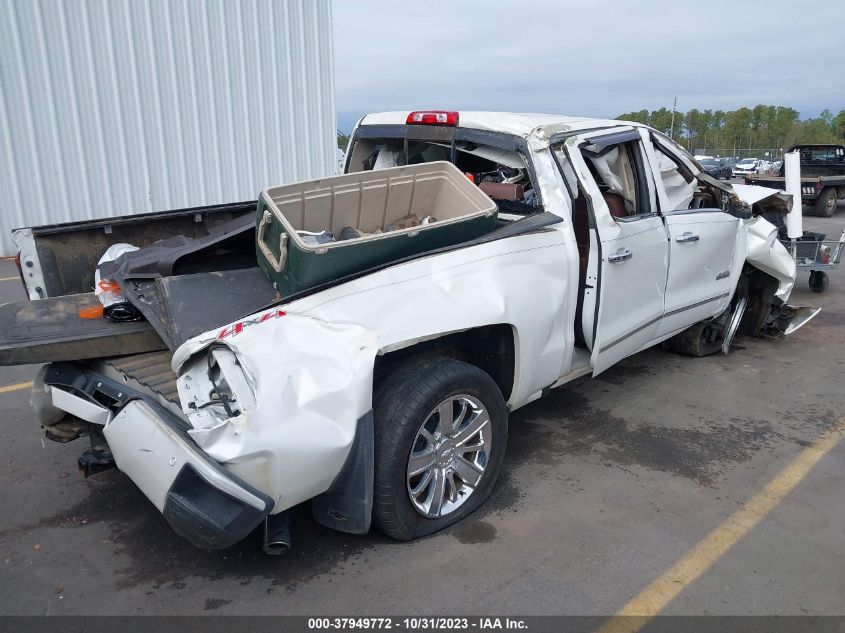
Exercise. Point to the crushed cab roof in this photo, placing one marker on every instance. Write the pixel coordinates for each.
(518, 124)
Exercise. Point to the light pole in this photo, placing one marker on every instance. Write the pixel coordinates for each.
(672, 126)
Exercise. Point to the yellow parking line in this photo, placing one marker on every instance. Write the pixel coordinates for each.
(16, 387)
(17, 277)
(654, 598)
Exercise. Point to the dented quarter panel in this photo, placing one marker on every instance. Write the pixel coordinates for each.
(311, 381)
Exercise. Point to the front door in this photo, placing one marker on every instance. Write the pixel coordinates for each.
(703, 244)
(628, 252)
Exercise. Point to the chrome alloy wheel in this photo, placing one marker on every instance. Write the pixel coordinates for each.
(449, 456)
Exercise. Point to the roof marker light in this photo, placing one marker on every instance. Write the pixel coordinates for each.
(432, 117)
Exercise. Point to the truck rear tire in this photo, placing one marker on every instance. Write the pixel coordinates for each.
(441, 427)
(825, 205)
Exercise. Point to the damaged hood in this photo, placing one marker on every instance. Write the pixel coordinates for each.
(766, 200)
(754, 197)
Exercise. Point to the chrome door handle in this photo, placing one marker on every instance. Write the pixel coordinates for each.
(687, 237)
(622, 255)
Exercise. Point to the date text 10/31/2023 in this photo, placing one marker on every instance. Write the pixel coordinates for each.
(419, 623)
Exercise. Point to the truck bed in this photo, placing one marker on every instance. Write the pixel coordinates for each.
(148, 372)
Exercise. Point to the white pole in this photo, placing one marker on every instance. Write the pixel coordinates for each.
(792, 169)
(672, 127)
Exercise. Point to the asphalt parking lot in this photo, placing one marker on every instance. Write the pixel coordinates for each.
(607, 484)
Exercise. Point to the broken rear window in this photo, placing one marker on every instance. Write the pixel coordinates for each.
(502, 174)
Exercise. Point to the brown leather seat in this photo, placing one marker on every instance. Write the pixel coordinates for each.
(580, 225)
(616, 204)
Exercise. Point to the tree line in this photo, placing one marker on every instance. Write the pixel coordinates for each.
(736, 131)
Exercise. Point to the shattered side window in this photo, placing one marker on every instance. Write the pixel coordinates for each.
(569, 177)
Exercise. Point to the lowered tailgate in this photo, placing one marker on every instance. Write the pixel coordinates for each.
(51, 330)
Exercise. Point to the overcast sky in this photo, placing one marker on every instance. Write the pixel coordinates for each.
(587, 57)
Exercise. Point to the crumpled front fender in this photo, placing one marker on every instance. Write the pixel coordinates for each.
(311, 383)
(765, 252)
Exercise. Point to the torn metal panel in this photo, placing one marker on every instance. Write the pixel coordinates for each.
(803, 315)
(763, 199)
(765, 252)
(295, 395)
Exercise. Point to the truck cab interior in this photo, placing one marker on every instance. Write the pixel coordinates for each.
(502, 173)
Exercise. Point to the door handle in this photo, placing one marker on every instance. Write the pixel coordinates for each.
(687, 237)
(622, 255)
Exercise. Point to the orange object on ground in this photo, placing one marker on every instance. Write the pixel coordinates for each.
(91, 313)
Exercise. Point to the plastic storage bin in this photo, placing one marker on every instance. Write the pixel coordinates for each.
(369, 201)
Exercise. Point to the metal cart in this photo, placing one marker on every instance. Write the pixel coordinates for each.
(814, 253)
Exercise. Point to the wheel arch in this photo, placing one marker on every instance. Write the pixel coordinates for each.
(492, 348)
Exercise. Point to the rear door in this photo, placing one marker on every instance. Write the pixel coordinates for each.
(703, 243)
(628, 251)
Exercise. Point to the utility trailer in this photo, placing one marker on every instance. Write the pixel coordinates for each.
(380, 393)
(822, 177)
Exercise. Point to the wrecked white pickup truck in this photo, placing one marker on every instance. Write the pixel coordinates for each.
(382, 394)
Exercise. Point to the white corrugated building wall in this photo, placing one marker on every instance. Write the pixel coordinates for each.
(111, 107)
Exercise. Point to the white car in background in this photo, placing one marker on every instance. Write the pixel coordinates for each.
(749, 166)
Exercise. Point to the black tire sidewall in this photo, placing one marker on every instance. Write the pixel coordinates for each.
(399, 411)
(819, 281)
(821, 206)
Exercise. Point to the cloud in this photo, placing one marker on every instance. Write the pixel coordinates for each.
(590, 58)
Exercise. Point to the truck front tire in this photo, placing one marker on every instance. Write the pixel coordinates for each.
(698, 340)
(440, 435)
(825, 205)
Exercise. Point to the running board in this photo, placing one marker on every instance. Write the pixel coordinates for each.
(733, 324)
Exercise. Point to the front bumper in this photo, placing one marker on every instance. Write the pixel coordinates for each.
(201, 500)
